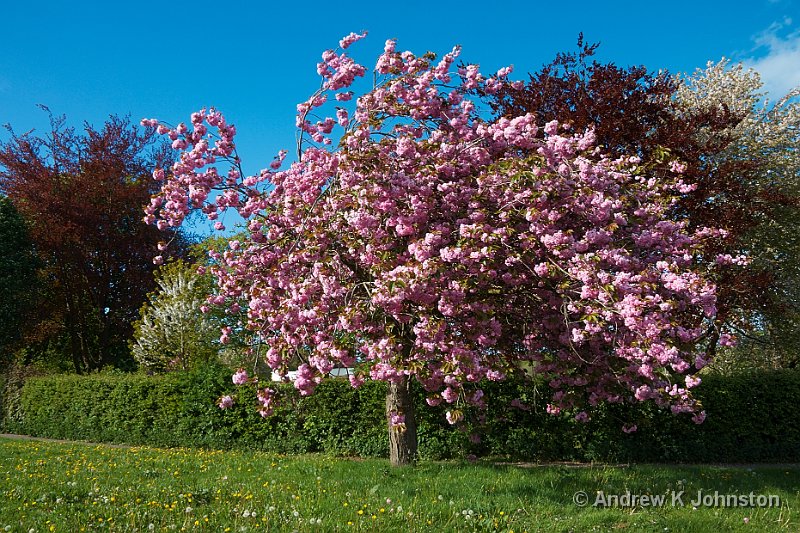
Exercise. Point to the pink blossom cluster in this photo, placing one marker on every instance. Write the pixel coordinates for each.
(226, 402)
(267, 402)
(240, 377)
(435, 243)
(397, 420)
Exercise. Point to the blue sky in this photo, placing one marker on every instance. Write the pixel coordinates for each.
(256, 60)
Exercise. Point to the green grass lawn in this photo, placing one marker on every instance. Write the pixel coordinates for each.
(46, 486)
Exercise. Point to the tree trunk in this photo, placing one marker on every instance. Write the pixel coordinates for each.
(402, 437)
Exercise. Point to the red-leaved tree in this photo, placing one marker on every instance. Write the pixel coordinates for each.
(432, 244)
(80, 193)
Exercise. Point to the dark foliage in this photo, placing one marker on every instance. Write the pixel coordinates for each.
(18, 266)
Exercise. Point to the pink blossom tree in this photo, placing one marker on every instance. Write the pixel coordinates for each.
(414, 239)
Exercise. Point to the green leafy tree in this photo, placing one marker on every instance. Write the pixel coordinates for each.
(18, 266)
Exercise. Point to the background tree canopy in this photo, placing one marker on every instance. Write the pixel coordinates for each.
(81, 194)
(740, 150)
(18, 265)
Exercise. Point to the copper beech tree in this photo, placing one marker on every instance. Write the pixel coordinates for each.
(415, 239)
(80, 194)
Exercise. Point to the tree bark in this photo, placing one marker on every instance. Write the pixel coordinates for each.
(403, 437)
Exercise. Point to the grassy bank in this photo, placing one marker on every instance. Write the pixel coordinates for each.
(47, 486)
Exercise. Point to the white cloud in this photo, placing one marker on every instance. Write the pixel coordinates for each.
(777, 58)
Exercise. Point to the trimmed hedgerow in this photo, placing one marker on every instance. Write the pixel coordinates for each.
(180, 409)
(751, 418)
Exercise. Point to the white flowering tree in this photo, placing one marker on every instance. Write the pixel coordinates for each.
(763, 145)
(172, 331)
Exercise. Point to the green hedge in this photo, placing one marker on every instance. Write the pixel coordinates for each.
(751, 418)
(179, 409)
